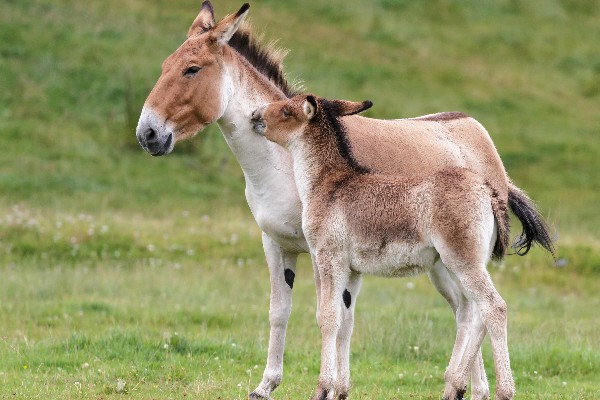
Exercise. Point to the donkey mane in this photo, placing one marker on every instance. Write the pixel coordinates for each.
(266, 59)
(331, 115)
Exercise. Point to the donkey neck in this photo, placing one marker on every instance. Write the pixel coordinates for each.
(247, 89)
(270, 188)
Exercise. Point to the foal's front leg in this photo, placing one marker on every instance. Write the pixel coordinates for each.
(282, 266)
(333, 279)
(349, 296)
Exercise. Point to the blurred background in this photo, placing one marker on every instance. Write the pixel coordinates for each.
(128, 274)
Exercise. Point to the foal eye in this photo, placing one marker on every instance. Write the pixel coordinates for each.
(286, 113)
(192, 71)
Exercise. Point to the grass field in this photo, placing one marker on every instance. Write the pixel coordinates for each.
(127, 276)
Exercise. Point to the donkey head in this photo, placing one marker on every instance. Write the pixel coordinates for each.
(284, 121)
(191, 91)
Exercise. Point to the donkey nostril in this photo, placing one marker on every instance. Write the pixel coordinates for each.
(255, 115)
(150, 134)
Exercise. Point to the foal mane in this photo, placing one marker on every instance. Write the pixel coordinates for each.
(331, 114)
(266, 59)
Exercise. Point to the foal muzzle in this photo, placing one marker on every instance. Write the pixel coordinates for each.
(257, 121)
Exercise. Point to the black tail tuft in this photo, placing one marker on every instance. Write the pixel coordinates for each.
(535, 228)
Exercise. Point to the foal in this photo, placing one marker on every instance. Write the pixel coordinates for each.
(356, 222)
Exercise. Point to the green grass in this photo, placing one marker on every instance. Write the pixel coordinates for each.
(127, 276)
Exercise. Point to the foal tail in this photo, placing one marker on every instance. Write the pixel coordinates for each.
(535, 228)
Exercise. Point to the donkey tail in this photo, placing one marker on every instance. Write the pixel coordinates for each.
(535, 228)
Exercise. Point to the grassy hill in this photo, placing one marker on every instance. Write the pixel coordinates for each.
(78, 194)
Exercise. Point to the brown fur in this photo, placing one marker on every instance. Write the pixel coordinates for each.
(415, 147)
(388, 206)
(446, 216)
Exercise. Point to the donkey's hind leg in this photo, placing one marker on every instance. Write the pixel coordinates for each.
(491, 317)
(349, 296)
(463, 310)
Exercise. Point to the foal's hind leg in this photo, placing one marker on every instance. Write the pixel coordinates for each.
(463, 309)
(478, 286)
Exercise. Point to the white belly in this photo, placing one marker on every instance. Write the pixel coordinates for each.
(395, 260)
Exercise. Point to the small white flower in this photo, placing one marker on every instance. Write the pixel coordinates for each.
(150, 247)
(410, 285)
(120, 387)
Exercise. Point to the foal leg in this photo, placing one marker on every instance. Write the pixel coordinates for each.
(349, 296)
(282, 266)
(334, 277)
(463, 309)
(491, 317)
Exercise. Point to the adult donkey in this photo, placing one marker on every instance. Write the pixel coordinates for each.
(221, 74)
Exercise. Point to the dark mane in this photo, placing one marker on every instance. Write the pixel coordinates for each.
(331, 114)
(265, 59)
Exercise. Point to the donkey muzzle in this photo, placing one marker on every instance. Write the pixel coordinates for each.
(154, 136)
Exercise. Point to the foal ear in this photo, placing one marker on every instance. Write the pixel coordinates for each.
(310, 107)
(225, 29)
(205, 19)
(345, 107)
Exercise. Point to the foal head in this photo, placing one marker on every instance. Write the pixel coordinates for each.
(191, 76)
(303, 116)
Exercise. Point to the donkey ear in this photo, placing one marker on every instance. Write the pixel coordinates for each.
(345, 107)
(205, 19)
(225, 29)
(310, 106)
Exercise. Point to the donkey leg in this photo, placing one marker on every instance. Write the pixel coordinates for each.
(349, 296)
(282, 266)
(450, 290)
(479, 287)
(333, 280)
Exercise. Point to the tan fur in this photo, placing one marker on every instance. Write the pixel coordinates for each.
(357, 220)
(231, 85)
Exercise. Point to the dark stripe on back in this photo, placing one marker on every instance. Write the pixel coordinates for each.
(443, 116)
(331, 114)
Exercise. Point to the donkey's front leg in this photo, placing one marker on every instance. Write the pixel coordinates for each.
(282, 266)
(334, 278)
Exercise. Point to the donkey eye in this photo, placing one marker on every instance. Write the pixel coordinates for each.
(286, 112)
(191, 71)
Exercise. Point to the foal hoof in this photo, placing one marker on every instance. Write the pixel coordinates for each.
(322, 394)
(459, 395)
(256, 396)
